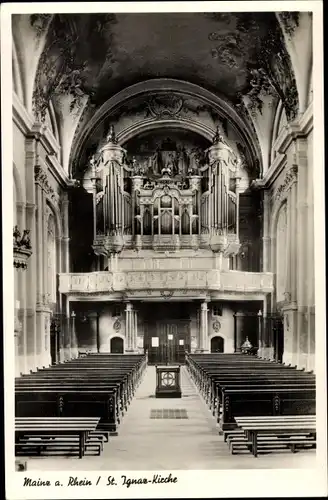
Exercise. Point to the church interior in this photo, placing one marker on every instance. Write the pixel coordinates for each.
(163, 203)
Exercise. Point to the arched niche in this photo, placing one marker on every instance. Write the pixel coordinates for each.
(281, 253)
(217, 344)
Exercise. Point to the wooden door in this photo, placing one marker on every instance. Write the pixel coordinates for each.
(116, 345)
(166, 340)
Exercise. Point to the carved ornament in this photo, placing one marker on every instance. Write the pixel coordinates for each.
(41, 178)
(290, 178)
(117, 325)
(216, 326)
(21, 247)
(165, 106)
(167, 294)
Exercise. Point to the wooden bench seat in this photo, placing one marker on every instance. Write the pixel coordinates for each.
(63, 427)
(293, 431)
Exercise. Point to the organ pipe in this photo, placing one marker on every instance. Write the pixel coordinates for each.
(122, 211)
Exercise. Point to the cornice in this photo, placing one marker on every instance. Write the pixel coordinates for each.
(27, 125)
(275, 169)
(57, 171)
(298, 128)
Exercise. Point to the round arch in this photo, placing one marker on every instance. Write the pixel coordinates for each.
(273, 238)
(57, 217)
(145, 126)
(241, 126)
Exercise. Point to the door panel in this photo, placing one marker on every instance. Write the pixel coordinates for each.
(170, 348)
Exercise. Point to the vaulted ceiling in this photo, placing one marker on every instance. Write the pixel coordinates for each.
(83, 60)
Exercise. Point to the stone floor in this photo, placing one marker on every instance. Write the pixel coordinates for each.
(146, 443)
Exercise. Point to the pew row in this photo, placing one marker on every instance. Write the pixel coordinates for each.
(90, 386)
(239, 385)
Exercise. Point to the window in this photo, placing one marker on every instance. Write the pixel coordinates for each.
(116, 311)
(217, 310)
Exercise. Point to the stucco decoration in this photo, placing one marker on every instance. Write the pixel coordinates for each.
(290, 21)
(216, 326)
(117, 325)
(64, 65)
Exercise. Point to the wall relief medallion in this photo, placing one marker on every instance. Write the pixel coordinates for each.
(216, 326)
(167, 294)
(117, 325)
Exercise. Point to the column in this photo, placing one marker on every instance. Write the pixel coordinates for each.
(266, 328)
(203, 337)
(45, 358)
(302, 270)
(311, 270)
(17, 335)
(40, 293)
(74, 344)
(295, 239)
(238, 336)
(260, 331)
(129, 327)
(29, 333)
(96, 344)
(266, 231)
(66, 334)
(65, 263)
(135, 330)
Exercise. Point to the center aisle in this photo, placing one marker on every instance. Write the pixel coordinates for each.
(166, 443)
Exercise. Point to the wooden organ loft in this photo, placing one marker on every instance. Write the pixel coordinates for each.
(166, 202)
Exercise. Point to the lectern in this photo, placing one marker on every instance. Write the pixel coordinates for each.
(168, 382)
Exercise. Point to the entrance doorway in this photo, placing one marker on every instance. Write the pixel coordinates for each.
(116, 345)
(167, 333)
(217, 344)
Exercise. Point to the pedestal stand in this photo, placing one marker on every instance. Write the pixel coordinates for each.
(168, 382)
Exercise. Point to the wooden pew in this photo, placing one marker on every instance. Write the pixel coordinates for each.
(293, 431)
(251, 387)
(58, 427)
(89, 386)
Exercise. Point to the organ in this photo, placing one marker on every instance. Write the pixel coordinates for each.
(168, 201)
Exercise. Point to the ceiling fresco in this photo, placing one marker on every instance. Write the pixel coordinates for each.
(240, 57)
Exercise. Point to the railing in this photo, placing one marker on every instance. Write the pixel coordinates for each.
(107, 281)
